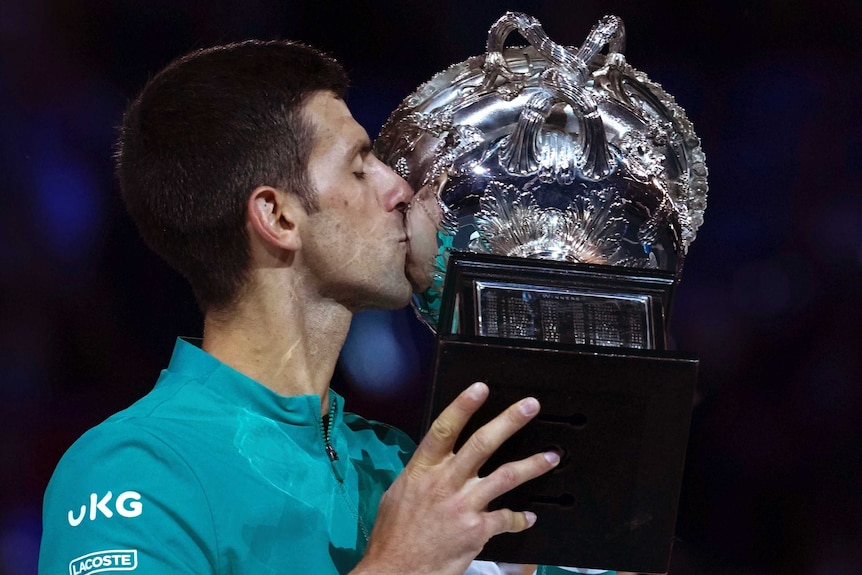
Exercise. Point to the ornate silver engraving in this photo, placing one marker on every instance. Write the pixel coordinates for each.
(552, 152)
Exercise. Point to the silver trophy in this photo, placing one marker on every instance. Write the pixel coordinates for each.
(558, 191)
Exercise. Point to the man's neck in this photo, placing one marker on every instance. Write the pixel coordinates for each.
(289, 344)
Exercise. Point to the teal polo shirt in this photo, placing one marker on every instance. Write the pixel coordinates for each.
(211, 472)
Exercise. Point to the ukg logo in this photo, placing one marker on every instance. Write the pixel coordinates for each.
(127, 504)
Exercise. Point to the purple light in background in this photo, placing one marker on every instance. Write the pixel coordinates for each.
(379, 356)
(66, 210)
(19, 541)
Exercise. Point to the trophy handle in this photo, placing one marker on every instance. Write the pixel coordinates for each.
(608, 31)
(563, 81)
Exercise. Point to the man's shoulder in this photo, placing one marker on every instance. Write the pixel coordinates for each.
(160, 433)
(115, 448)
(143, 421)
(115, 493)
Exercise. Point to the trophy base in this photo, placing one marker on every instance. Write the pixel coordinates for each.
(620, 420)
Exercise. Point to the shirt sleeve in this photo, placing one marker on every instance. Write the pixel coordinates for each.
(122, 500)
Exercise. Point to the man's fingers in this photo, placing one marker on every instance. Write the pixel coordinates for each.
(440, 440)
(488, 438)
(512, 474)
(508, 521)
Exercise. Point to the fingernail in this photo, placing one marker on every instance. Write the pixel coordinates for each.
(529, 406)
(530, 517)
(477, 390)
(552, 457)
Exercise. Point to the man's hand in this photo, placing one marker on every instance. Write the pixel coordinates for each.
(434, 518)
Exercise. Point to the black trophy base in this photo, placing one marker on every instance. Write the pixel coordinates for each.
(619, 417)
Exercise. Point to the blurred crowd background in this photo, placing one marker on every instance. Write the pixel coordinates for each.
(769, 301)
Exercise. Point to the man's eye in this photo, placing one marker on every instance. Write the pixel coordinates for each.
(359, 175)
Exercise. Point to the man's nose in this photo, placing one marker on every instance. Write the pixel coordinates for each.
(398, 192)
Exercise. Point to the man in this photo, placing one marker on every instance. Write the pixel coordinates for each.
(243, 168)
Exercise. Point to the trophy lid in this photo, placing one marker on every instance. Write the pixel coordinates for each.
(550, 152)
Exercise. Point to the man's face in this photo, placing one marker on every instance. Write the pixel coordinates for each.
(355, 246)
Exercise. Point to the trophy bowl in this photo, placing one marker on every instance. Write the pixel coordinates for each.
(548, 152)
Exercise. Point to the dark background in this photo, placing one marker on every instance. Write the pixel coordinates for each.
(769, 299)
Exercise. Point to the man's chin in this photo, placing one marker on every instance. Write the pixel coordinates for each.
(388, 303)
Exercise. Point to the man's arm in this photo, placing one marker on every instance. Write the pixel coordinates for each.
(434, 518)
(120, 499)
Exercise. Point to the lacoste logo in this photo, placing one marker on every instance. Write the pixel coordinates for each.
(127, 504)
(101, 561)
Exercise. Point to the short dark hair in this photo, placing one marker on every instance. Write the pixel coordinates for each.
(206, 131)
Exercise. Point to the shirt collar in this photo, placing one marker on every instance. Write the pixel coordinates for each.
(192, 362)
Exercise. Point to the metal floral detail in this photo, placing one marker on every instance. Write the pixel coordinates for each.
(641, 157)
(589, 230)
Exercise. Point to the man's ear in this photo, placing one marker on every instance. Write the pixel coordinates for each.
(274, 216)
